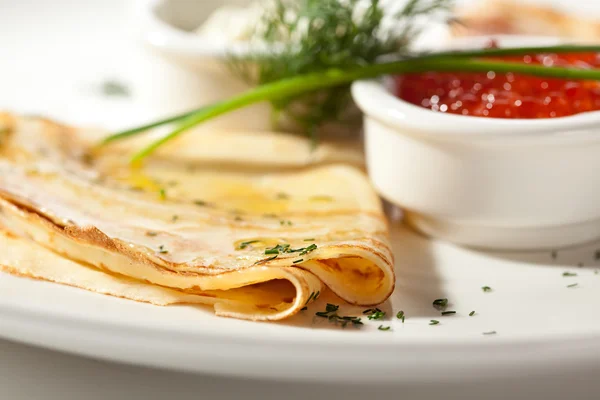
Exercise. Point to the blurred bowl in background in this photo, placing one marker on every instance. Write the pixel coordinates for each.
(167, 28)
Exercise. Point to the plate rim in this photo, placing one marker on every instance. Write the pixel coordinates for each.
(242, 354)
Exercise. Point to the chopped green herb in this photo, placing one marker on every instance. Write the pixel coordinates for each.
(285, 222)
(283, 196)
(309, 240)
(595, 272)
(486, 289)
(440, 304)
(270, 215)
(297, 261)
(331, 307)
(310, 298)
(243, 245)
(490, 333)
(317, 295)
(331, 314)
(400, 315)
(377, 315)
(151, 233)
(345, 320)
(304, 308)
(162, 250)
(280, 248)
(569, 274)
(200, 203)
(308, 249)
(303, 250)
(572, 285)
(384, 328)
(238, 218)
(174, 218)
(162, 193)
(471, 313)
(434, 322)
(448, 312)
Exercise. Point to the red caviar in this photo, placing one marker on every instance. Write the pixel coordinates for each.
(506, 95)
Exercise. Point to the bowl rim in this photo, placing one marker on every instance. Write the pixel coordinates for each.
(163, 36)
(375, 99)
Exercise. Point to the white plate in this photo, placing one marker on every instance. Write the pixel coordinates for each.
(541, 324)
(542, 327)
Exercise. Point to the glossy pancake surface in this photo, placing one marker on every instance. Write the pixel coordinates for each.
(244, 233)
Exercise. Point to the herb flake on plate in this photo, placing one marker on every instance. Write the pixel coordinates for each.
(115, 88)
(243, 245)
(440, 304)
(375, 314)
(400, 315)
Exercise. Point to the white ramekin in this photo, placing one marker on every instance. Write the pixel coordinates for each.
(485, 182)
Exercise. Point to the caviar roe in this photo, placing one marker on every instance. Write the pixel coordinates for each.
(506, 95)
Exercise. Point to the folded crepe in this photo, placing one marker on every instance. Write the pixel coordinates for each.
(230, 230)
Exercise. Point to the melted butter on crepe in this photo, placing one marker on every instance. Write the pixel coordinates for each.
(175, 231)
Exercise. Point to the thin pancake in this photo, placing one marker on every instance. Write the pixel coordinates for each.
(194, 230)
(24, 258)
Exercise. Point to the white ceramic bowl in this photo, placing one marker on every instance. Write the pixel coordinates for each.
(485, 182)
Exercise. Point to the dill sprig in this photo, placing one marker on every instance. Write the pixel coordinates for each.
(307, 36)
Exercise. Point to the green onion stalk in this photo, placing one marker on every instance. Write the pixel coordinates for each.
(465, 61)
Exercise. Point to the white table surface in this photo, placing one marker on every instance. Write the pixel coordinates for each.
(52, 55)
